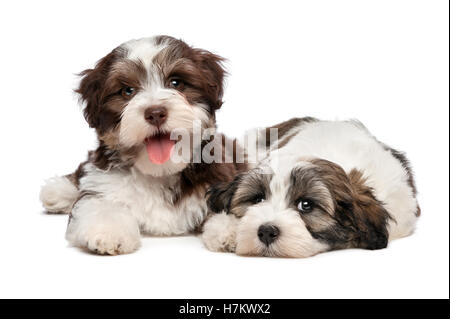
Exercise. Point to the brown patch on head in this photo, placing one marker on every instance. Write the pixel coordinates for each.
(323, 187)
(235, 197)
(200, 72)
(101, 90)
(161, 39)
(124, 73)
(92, 90)
(306, 183)
(253, 188)
(358, 219)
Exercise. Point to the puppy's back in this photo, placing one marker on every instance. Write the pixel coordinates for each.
(349, 144)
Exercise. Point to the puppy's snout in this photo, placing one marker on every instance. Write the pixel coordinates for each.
(156, 115)
(268, 234)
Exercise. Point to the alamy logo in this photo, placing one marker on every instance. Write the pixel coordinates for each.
(207, 146)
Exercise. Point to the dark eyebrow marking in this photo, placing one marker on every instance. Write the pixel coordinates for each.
(252, 185)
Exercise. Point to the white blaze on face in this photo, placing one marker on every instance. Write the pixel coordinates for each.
(143, 50)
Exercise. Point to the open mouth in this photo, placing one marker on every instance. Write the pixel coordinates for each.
(159, 147)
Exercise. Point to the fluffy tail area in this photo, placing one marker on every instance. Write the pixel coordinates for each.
(58, 195)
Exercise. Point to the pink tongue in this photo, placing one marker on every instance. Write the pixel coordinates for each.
(159, 148)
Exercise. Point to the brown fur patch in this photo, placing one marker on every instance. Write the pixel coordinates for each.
(123, 73)
(105, 104)
(78, 174)
(359, 215)
(284, 127)
(359, 220)
(92, 86)
(236, 196)
(252, 187)
(200, 71)
(366, 203)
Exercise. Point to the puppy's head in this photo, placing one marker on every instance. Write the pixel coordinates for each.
(144, 92)
(309, 208)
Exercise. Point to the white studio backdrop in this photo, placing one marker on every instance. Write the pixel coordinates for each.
(382, 62)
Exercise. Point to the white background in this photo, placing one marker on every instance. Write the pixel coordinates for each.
(383, 62)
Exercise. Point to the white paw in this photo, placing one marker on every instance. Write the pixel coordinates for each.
(105, 243)
(105, 238)
(58, 195)
(219, 233)
(103, 230)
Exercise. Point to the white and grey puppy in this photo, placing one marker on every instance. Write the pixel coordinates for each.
(325, 185)
(136, 97)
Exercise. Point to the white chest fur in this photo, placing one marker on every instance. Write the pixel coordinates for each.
(148, 199)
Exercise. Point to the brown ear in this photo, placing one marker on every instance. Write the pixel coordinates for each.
(366, 216)
(92, 86)
(361, 217)
(214, 74)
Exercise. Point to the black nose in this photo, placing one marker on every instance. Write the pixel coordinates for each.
(268, 233)
(156, 115)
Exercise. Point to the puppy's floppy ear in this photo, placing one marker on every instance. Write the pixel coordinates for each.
(214, 74)
(361, 216)
(91, 88)
(366, 216)
(219, 196)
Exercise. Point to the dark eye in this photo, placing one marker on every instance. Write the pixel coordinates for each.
(258, 199)
(176, 83)
(305, 205)
(128, 91)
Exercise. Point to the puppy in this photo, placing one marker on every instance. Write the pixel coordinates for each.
(323, 186)
(140, 98)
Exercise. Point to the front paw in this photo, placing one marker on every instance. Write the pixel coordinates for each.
(105, 243)
(109, 234)
(219, 233)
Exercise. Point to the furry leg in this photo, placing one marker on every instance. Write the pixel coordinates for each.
(103, 227)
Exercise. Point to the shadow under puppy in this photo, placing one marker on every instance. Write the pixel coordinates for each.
(137, 97)
(324, 185)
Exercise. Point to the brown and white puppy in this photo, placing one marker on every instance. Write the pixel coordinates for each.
(324, 186)
(141, 98)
